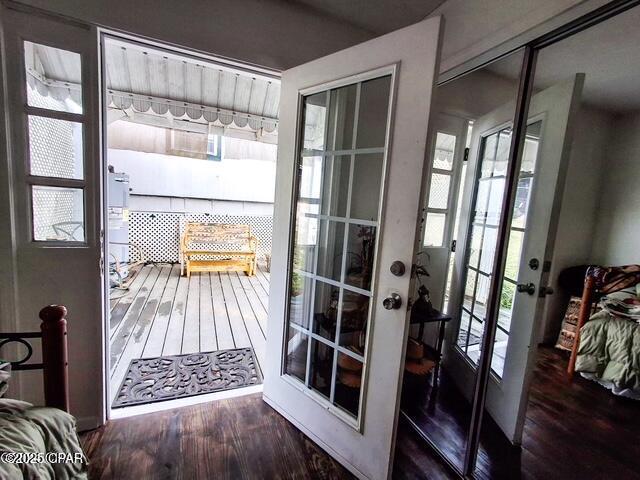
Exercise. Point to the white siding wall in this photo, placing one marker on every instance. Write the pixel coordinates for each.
(158, 175)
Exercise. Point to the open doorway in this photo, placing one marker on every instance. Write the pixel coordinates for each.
(190, 152)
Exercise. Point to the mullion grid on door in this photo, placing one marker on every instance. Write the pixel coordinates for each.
(346, 221)
(482, 237)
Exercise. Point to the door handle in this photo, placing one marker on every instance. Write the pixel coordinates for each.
(529, 288)
(392, 302)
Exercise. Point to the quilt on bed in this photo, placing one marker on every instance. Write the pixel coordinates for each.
(39, 430)
(609, 353)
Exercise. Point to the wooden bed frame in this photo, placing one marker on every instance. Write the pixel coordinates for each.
(53, 335)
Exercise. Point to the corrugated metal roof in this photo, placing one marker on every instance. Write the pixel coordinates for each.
(154, 81)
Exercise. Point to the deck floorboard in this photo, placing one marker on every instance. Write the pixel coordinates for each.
(164, 313)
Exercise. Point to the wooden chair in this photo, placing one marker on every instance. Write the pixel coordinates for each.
(217, 247)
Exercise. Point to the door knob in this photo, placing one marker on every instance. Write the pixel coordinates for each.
(392, 302)
(529, 288)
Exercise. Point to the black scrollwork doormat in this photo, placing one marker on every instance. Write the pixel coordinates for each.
(178, 376)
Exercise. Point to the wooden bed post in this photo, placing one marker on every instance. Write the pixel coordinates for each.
(54, 356)
(583, 316)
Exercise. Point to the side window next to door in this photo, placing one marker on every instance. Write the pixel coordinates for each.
(440, 184)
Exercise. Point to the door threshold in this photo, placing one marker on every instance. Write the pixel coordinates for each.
(134, 410)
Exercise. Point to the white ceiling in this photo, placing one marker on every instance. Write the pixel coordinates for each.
(378, 17)
(609, 56)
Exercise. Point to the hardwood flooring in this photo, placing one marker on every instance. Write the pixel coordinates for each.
(163, 313)
(239, 438)
(573, 430)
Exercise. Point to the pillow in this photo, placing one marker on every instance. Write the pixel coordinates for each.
(5, 374)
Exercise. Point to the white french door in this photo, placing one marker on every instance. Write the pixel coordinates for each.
(533, 226)
(351, 153)
(447, 159)
(54, 183)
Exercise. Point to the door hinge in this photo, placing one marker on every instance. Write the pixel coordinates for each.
(466, 155)
(453, 245)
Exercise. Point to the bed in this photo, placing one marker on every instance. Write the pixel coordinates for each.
(44, 439)
(607, 346)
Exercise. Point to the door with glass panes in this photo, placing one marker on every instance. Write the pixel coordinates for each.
(351, 153)
(439, 226)
(533, 224)
(53, 177)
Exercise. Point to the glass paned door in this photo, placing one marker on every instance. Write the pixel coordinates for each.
(486, 206)
(352, 144)
(54, 168)
(340, 179)
(479, 266)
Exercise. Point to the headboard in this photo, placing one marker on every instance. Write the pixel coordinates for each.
(53, 337)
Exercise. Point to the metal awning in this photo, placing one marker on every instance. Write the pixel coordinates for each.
(143, 83)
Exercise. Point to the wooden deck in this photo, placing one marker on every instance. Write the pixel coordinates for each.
(163, 313)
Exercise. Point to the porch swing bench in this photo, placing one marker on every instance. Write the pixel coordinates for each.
(217, 247)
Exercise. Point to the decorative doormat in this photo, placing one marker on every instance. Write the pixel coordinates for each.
(177, 376)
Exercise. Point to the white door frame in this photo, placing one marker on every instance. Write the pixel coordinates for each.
(181, 52)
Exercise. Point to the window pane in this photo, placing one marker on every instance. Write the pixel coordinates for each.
(331, 241)
(464, 330)
(502, 153)
(315, 110)
(361, 244)
(325, 313)
(306, 241)
(343, 109)
(54, 78)
(299, 304)
(489, 145)
(439, 190)
(321, 367)
(365, 193)
(335, 185)
(373, 113)
(296, 361)
(444, 152)
(353, 322)
(434, 229)
(58, 214)
(55, 148)
(470, 288)
(311, 179)
(348, 383)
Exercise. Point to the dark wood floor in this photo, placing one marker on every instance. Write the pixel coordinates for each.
(239, 438)
(573, 430)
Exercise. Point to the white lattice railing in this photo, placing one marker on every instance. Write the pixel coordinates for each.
(158, 234)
